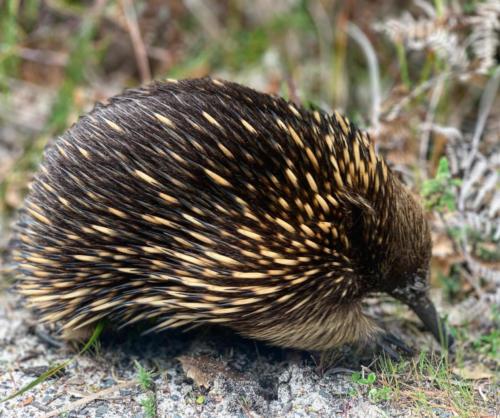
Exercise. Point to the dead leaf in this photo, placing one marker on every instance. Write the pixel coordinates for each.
(27, 401)
(204, 369)
(473, 372)
(442, 245)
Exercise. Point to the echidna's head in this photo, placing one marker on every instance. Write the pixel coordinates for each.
(407, 266)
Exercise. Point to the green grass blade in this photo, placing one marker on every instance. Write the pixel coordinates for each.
(56, 369)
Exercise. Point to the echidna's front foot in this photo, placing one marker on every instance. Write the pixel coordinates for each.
(388, 339)
(388, 344)
(384, 344)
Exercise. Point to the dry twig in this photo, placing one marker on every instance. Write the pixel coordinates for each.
(94, 396)
(140, 52)
(373, 68)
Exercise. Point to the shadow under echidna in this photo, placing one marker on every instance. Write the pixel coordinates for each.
(203, 201)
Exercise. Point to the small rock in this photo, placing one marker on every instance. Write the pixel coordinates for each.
(101, 411)
(324, 394)
(366, 410)
(108, 382)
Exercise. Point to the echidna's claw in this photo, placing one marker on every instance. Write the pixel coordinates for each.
(390, 338)
(387, 350)
(385, 344)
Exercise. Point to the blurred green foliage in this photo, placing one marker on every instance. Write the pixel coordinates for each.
(439, 192)
(81, 56)
(8, 39)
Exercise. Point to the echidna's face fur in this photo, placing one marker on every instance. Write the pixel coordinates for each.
(203, 201)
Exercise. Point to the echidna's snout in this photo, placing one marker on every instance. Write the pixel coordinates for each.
(426, 311)
(416, 297)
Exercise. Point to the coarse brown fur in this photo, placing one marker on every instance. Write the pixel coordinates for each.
(203, 201)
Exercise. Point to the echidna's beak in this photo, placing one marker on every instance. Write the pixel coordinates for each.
(426, 311)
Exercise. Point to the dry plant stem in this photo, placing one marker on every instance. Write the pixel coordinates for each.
(90, 398)
(429, 119)
(325, 36)
(160, 54)
(426, 8)
(417, 91)
(374, 71)
(98, 7)
(205, 13)
(140, 52)
(485, 105)
(292, 90)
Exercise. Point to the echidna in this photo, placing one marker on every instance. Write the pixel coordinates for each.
(203, 201)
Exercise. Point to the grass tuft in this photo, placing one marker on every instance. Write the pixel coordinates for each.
(146, 382)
